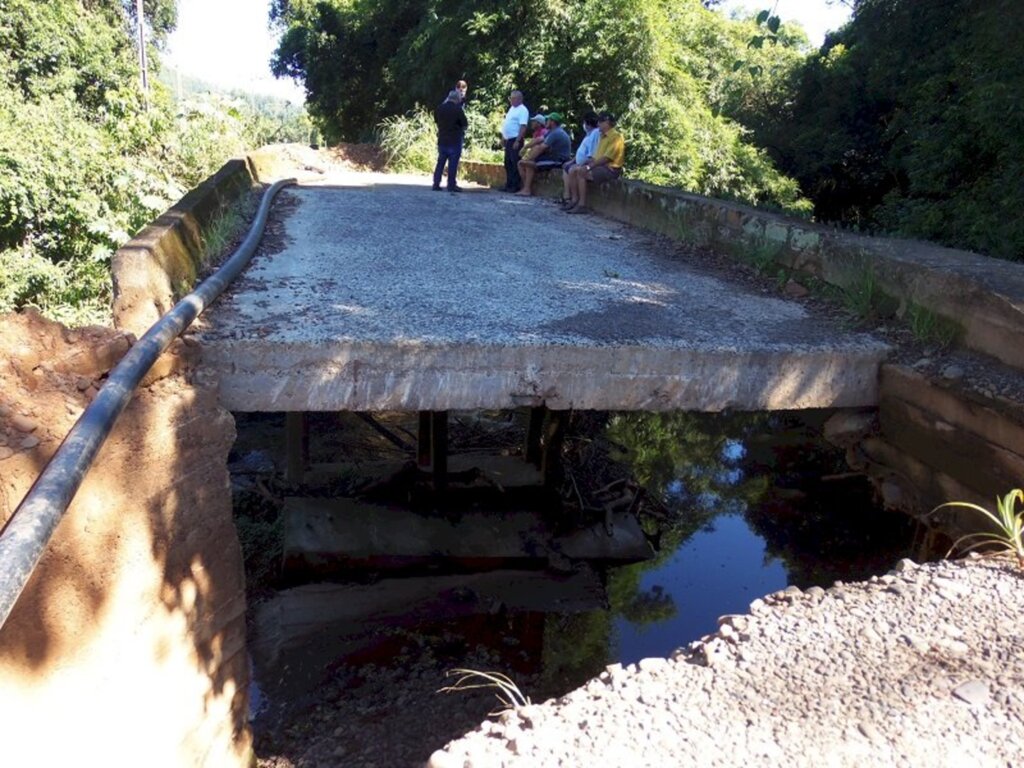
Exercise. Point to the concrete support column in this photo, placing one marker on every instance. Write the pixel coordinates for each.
(534, 432)
(439, 449)
(296, 446)
(551, 458)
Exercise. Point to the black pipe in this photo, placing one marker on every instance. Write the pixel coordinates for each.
(26, 534)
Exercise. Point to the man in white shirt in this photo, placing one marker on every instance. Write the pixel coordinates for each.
(513, 131)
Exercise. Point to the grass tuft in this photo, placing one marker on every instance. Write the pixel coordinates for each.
(931, 328)
(505, 690)
(1007, 535)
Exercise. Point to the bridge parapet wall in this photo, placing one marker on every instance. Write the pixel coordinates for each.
(127, 646)
(983, 298)
(161, 263)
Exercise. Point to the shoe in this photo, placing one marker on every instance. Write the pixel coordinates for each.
(456, 188)
(436, 189)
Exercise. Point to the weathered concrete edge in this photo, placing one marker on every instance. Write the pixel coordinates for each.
(982, 296)
(160, 264)
(357, 378)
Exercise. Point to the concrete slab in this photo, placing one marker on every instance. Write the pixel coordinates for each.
(323, 536)
(382, 295)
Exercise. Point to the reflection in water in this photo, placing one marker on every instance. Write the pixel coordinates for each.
(737, 505)
(748, 504)
(719, 570)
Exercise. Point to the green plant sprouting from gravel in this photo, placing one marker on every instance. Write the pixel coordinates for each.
(505, 690)
(762, 256)
(1007, 535)
(929, 327)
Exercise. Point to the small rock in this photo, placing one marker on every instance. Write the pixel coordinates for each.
(918, 645)
(5, 453)
(30, 442)
(734, 620)
(653, 664)
(924, 362)
(815, 592)
(24, 423)
(906, 564)
(973, 692)
(531, 715)
(871, 733)
(795, 290)
(952, 372)
(82, 383)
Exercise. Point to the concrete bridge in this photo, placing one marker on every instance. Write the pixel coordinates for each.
(376, 294)
(372, 292)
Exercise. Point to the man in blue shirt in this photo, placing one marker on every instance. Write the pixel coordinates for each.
(586, 151)
(553, 152)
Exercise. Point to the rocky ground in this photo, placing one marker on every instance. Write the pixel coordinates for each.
(921, 666)
(918, 667)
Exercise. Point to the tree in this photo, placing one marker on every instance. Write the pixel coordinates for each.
(363, 61)
(909, 119)
(83, 163)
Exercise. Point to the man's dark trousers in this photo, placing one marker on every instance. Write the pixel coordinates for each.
(513, 182)
(447, 153)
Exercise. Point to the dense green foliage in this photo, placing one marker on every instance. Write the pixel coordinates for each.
(910, 119)
(410, 140)
(667, 66)
(83, 162)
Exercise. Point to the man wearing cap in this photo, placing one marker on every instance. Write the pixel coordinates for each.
(605, 165)
(513, 130)
(552, 152)
(451, 127)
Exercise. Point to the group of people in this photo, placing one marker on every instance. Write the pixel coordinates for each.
(599, 157)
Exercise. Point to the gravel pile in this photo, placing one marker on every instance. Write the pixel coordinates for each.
(923, 666)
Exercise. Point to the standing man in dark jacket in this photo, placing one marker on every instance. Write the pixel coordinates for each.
(451, 127)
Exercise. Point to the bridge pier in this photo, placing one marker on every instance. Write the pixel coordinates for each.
(296, 446)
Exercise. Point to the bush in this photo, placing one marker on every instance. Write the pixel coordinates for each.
(410, 141)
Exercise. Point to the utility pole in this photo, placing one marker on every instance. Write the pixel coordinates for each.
(140, 21)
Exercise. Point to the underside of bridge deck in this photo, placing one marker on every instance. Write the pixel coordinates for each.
(372, 293)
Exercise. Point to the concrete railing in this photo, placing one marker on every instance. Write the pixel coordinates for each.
(982, 297)
(162, 262)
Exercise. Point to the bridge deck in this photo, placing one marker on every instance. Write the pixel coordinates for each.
(377, 294)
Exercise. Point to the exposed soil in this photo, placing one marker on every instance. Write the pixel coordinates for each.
(48, 374)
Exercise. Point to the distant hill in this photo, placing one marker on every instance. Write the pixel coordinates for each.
(182, 86)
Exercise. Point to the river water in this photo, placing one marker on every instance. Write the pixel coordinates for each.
(738, 506)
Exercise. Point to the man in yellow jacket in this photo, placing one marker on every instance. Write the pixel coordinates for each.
(605, 165)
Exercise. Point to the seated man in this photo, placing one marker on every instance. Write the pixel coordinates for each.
(606, 164)
(585, 152)
(552, 152)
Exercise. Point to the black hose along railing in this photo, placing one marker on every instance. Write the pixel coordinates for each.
(26, 534)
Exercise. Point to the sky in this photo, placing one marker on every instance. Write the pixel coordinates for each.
(229, 43)
(816, 16)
